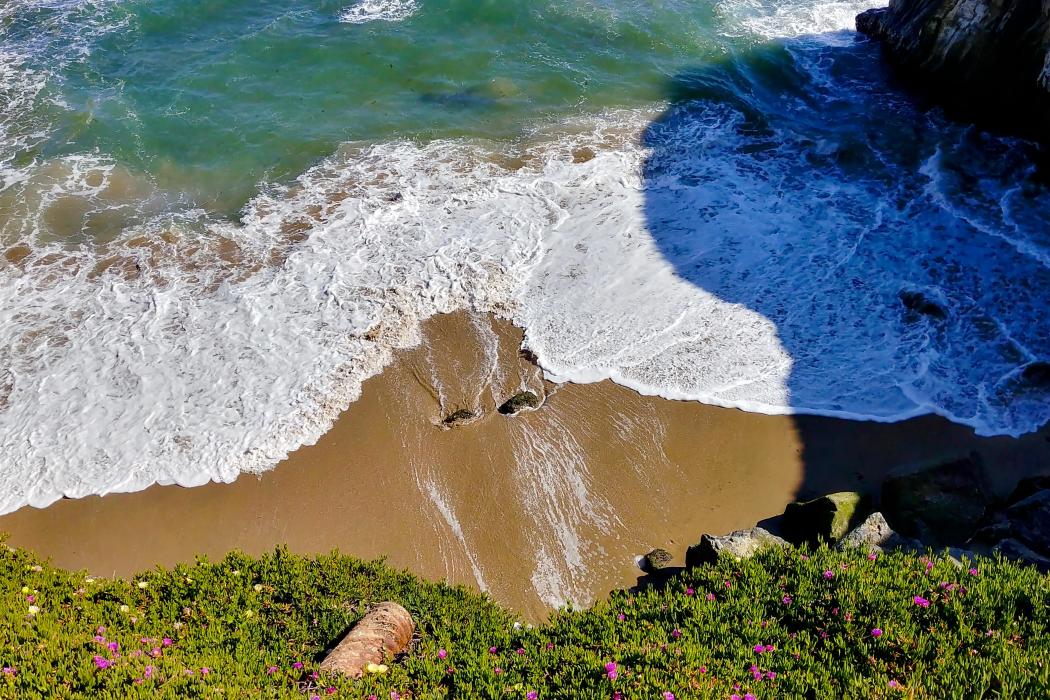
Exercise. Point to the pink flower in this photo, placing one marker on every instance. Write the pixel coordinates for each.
(804, 557)
(829, 574)
(894, 684)
(771, 675)
(531, 695)
(749, 696)
(520, 652)
(929, 565)
(873, 556)
(612, 675)
(759, 648)
(876, 632)
(493, 650)
(676, 633)
(330, 690)
(786, 600)
(100, 639)
(668, 695)
(30, 598)
(148, 672)
(497, 670)
(113, 646)
(611, 666)
(271, 670)
(710, 596)
(734, 696)
(297, 665)
(205, 671)
(921, 602)
(617, 695)
(100, 630)
(9, 671)
(621, 617)
(166, 642)
(550, 645)
(703, 669)
(442, 654)
(728, 584)
(973, 572)
(690, 592)
(101, 662)
(394, 695)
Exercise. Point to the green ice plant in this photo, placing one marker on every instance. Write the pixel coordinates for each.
(788, 623)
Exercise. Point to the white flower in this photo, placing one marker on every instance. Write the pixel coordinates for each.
(177, 625)
(36, 567)
(236, 572)
(89, 580)
(257, 587)
(143, 584)
(33, 610)
(124, 608)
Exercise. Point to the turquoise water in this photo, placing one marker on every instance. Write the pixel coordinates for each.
(216, 97)
(217, 219)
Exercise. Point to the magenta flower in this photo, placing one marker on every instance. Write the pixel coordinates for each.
(749, 696)
(703, 669)
(873, 556)
(876, 632)
(734, 696)
(148, 672)
(520, 652)
(297, 665)
(690, 592)
(9, 671)
(676, 633)
(493, 650)
(612, 675)
(771, 675)
(668, 695)
(829, 574)
(101, 662)
(166, 642)
(921, 602)
(621, 617)
(617, 695)
(894, 684)
(497, 670)
(610, 666)
(205, 671)
(30, 598)
(973, 572)
(442, 654)
(271, 670)
(113, 646)
(531, 695)
(786, 600)
(759, 648)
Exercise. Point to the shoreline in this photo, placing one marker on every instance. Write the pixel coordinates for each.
(540, 508)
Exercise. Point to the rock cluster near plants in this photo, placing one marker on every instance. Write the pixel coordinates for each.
(986, 57)
(943, 506)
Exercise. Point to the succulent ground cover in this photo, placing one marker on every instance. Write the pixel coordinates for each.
(787, 623)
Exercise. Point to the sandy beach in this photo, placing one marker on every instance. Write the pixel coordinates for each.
(541, 508)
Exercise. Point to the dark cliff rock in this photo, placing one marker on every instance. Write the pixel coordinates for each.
(985, 59)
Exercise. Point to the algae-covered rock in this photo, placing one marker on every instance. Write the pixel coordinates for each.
(741, 543)
(940, 504)
(656, 560)
(826, 518)
(876, 535)
(459, 417)
(519, 402)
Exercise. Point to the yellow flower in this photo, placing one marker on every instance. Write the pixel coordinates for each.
(257, 587)
(25, 589)
(143, 584)
(33, 610)
(124, 608)
(376, 668)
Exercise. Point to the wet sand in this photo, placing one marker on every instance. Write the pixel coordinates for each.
(547, 506)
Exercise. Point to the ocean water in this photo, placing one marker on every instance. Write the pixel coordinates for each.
(217, 219)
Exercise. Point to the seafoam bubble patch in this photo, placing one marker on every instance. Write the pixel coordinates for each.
(365, 11)
(782, 19)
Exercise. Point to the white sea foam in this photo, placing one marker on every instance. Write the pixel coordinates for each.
(379, 11)
(777, 19)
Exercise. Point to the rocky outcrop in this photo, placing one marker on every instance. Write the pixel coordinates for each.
(1021, 528)
(827, 518)
(940, 504)
(876, 535)
(989, 58)
(460, 417)
(741, 543)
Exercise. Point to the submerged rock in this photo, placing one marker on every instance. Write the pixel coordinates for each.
(921, 304)
(1037, 374)
(519, 402)
(990, 58)
(940, 504)
(459, 417)
(826, 518)
(741, 543)
(656, 560)
(876, 535)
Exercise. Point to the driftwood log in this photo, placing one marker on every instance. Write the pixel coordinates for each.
(385, 629)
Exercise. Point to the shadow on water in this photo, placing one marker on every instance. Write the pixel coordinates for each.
(885, 262)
